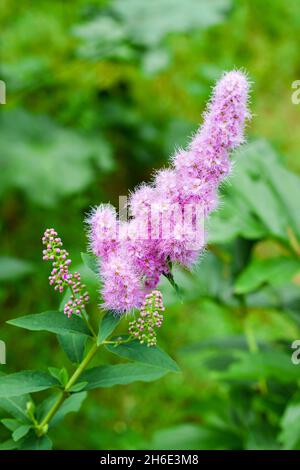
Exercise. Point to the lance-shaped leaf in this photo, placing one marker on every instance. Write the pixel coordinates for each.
(54, 322)
(16, 406)
(71, 405)
(107, 326)
(73, 345)
(138, 352)
(91, 261)
(121, 374)
(28, 381)
(32, 442)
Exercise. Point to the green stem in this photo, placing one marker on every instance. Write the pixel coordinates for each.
(82, 366)
(42, 427)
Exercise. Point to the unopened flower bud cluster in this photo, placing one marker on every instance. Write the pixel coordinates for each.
(60, 276)
(150, 317)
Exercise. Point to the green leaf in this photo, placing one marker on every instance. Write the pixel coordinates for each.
(54, 322)
(27, 381)
(11, 424)
(191, 436)
(78, 387)
(73, 345)
(45, 405)
(234, 219)
(55, 372)
(38, 177)
(261, 365)
(101, 37)
(71, 405)
(290, 425)
(107, 326)
(138, 352)
(121, 374)
(220, 343)
(91, 261)
(21, 431)
(250, 184)
(286, 186)
(276, 271)
(10, 444)
(147, 23)
(60, 374)
(173, 283)
(12, 269)
(32, 442)
(16, 406)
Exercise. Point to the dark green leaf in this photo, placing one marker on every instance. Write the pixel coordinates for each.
(91, 261)
(222, 343)
(54, 322)
(44, 406)
(121, 374)
(21, 431)
(138, 352)
(78, 387)
(61, 375)
(276, 271)
(11, 424)
(16, 406)
(261, 365)
(171, 280)
(32, 442)
(286, 186)
(71, 405)
(107, 326)
(290, 425)
(12, 269)
(27, 381)
(10, 444)
(74, 346)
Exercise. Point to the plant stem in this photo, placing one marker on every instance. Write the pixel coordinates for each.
(42, 427)
(82, 366)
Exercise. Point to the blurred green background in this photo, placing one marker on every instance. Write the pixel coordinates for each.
(98, 94)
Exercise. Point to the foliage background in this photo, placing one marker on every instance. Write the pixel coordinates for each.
(98, 94)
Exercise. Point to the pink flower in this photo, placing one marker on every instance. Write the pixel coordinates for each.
(103, 230)
(122, 290)
(162, 229)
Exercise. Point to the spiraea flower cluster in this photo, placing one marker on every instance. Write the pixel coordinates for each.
(166, 216)
(150, 318)
(60, 276)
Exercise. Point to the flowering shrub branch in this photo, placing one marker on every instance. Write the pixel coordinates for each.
(164, 228)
